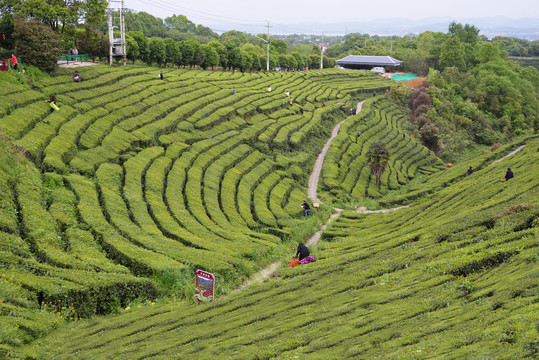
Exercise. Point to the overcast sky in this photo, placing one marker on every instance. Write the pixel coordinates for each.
(290, 13)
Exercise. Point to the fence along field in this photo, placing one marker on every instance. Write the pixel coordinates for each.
(138, 180)
(454, 276)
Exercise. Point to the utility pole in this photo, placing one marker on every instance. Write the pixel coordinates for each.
(267, 62)
(111, 33)
(122, 33)
(267, 42)
(322, 53)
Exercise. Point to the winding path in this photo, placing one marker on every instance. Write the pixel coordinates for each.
(312, 194)
(315, 175)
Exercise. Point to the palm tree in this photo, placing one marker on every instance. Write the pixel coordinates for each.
(377, 158)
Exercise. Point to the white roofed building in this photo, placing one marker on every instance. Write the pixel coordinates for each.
(367, 62)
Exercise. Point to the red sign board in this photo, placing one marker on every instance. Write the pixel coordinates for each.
(204, 287)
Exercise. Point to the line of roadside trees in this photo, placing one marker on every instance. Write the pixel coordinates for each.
(228, 55)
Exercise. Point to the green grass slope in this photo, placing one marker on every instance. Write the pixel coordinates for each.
(454, 276)
(136, 182)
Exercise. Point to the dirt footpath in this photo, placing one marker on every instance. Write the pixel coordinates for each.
(315, 175)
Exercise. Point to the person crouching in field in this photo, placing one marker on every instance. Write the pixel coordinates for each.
(508, 174)
(302, 256)
(77, 77)
(52, 103)
(302, 252)
(306, 207)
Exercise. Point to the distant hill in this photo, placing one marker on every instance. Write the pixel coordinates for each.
(525, 28)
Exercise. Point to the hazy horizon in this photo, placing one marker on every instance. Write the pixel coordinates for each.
(301, 16)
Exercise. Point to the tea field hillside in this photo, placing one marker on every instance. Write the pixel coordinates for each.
(136, 182)
(453, 276)
(108, 205)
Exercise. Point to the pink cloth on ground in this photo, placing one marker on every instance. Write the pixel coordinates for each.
(307, 260)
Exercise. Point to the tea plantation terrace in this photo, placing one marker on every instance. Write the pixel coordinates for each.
(111, 203)
(136, 181)
(453, 276)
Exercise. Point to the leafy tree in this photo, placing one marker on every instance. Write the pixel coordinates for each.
(246, 61)
(329, 63)
(278, 46)
(209, 57)
(132, 48)
(143, 45)
(158, 51)
(466, 33)
(234, 38)
(430, 136)
(7, 28)
(188, 50)
(149, 25)
(234, 57)
(252, 49)
(257, 63)
(95, 12)
(300, 59)
(263, 61)
(180, 23)
(425, 41)
(283, 61)
(173, 54)
(435, 78)
(314, 61)
(206, 32)
(531, 74)
(93, 42)
(29, 33)
(315, 50)
(292, 62)
(453, 54)
(487, 51)
(274, 61)
(222, 51)
(502, 98)
(58, 14)
(377, 158)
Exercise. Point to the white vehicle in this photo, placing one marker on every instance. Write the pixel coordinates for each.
(379, 70)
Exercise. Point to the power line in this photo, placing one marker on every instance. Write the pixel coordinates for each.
(195, 14)
(203, 13)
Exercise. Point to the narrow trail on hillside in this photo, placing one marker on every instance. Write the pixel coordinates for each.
(510, 154)
(315, 175)
(363, 210)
